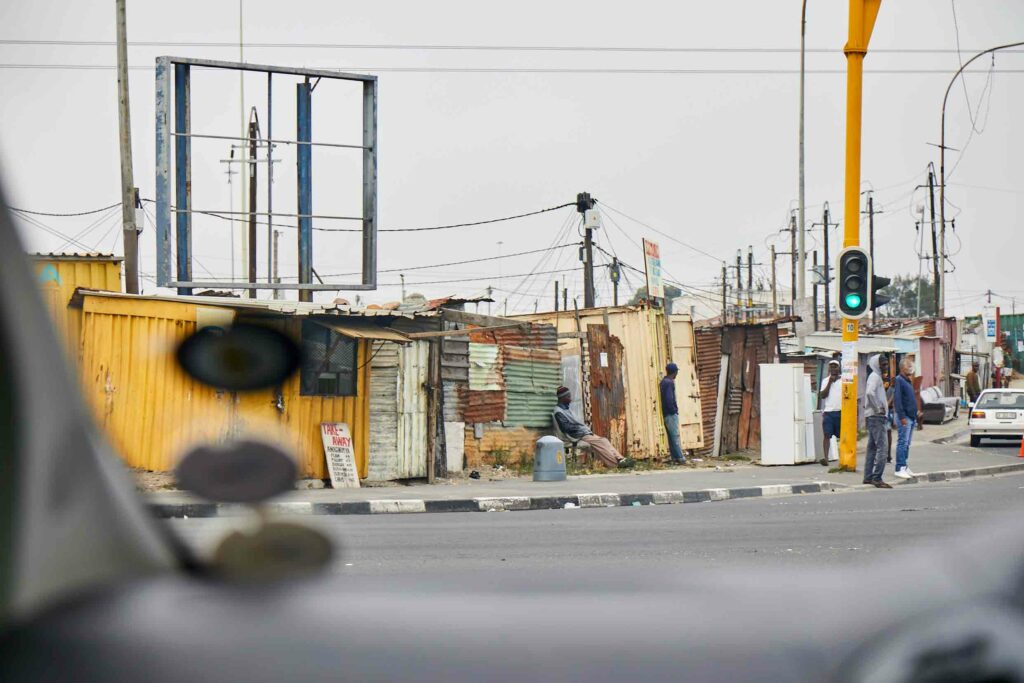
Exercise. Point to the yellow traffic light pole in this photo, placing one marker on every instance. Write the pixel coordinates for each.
(862, 21)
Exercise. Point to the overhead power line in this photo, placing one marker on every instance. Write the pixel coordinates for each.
(459, 263)
(471, 48)
(65, 215)
(664, 234)
(538, 70)
(292, 226)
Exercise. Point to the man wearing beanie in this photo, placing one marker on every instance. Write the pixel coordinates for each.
(576, 430)
(670, 413)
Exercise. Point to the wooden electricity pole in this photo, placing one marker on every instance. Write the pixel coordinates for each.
(128, 191)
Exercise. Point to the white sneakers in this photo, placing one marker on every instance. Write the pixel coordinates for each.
(904, 473)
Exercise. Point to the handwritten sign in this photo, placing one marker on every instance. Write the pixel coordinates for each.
(341, 456)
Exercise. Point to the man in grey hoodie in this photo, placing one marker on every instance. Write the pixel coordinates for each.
(876, 407)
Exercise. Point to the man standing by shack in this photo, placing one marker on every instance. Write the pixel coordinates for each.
(973, 383)
(577, 431)
(876, 412)
(670, 413)
(830, 402)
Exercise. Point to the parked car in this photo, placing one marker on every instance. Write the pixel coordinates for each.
(936, 408)
(997, 414)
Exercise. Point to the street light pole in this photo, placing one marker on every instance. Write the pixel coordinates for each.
(942, 174)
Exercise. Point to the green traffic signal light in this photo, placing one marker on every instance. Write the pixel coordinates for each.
(853, 301)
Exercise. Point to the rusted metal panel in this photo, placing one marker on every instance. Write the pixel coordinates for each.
(485, 406)
(709, 363)
(485, 367)
(607, 392)
(542, 336)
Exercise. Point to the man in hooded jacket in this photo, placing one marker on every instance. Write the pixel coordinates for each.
(876, 408)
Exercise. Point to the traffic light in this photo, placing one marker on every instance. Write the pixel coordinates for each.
(877, 283)
(854, 276)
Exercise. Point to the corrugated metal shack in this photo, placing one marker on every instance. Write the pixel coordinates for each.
(152, 411)
(488, 400)
(728, 360)
(613, 359)
(59, 275)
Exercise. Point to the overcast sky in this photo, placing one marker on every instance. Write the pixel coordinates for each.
(708, 158)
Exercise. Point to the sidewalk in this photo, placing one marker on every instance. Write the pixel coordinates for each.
(934, 462)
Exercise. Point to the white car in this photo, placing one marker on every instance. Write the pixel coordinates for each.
(997, 414)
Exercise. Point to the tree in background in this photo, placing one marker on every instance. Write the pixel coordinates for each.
(671, 292)
(904, 294)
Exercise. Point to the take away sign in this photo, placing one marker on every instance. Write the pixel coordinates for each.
(341, 456)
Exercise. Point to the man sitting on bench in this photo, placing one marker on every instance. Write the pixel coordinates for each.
(576, 430)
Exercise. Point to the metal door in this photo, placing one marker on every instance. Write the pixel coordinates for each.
(607, 390)
(691, 433)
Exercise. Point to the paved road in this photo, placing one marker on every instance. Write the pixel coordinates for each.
(1010, 448)
(855, 526)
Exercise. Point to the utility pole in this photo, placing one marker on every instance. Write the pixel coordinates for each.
(825, 226)
(276, 273)
(565, 298)
(556, 296)
(871, 243)
(128, 191)
(401, 276)
(252, 206)
(725, 294)
(793, 262)
(801, 269)
(584, 203)
(775, 296)
(739, 285)
(935, 235)
(750, 282)
(814, 287)
(615, 280)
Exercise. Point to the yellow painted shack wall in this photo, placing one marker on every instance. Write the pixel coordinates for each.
(153, 412)
(88, 273)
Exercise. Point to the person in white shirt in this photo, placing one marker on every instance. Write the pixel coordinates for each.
(830, 402)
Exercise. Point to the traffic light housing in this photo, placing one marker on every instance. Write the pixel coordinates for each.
(878, 283)
(854, 282)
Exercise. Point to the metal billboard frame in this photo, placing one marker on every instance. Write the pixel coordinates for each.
(179, 97)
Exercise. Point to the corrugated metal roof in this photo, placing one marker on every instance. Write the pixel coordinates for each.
(76, 256)
(268, 306)
(363, 329)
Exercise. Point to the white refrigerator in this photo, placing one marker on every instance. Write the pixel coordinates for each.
(787, 430)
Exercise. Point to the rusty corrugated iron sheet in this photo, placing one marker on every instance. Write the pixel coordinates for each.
(531, 378)
(542, 336)
(485, 406)
(607, 391)
(709, 367)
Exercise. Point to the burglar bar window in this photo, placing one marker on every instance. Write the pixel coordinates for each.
(329, 362)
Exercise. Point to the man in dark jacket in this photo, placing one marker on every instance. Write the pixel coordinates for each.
(576, 431)
(670, 413)
(905, 404)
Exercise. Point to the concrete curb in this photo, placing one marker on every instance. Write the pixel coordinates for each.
(576, 501)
